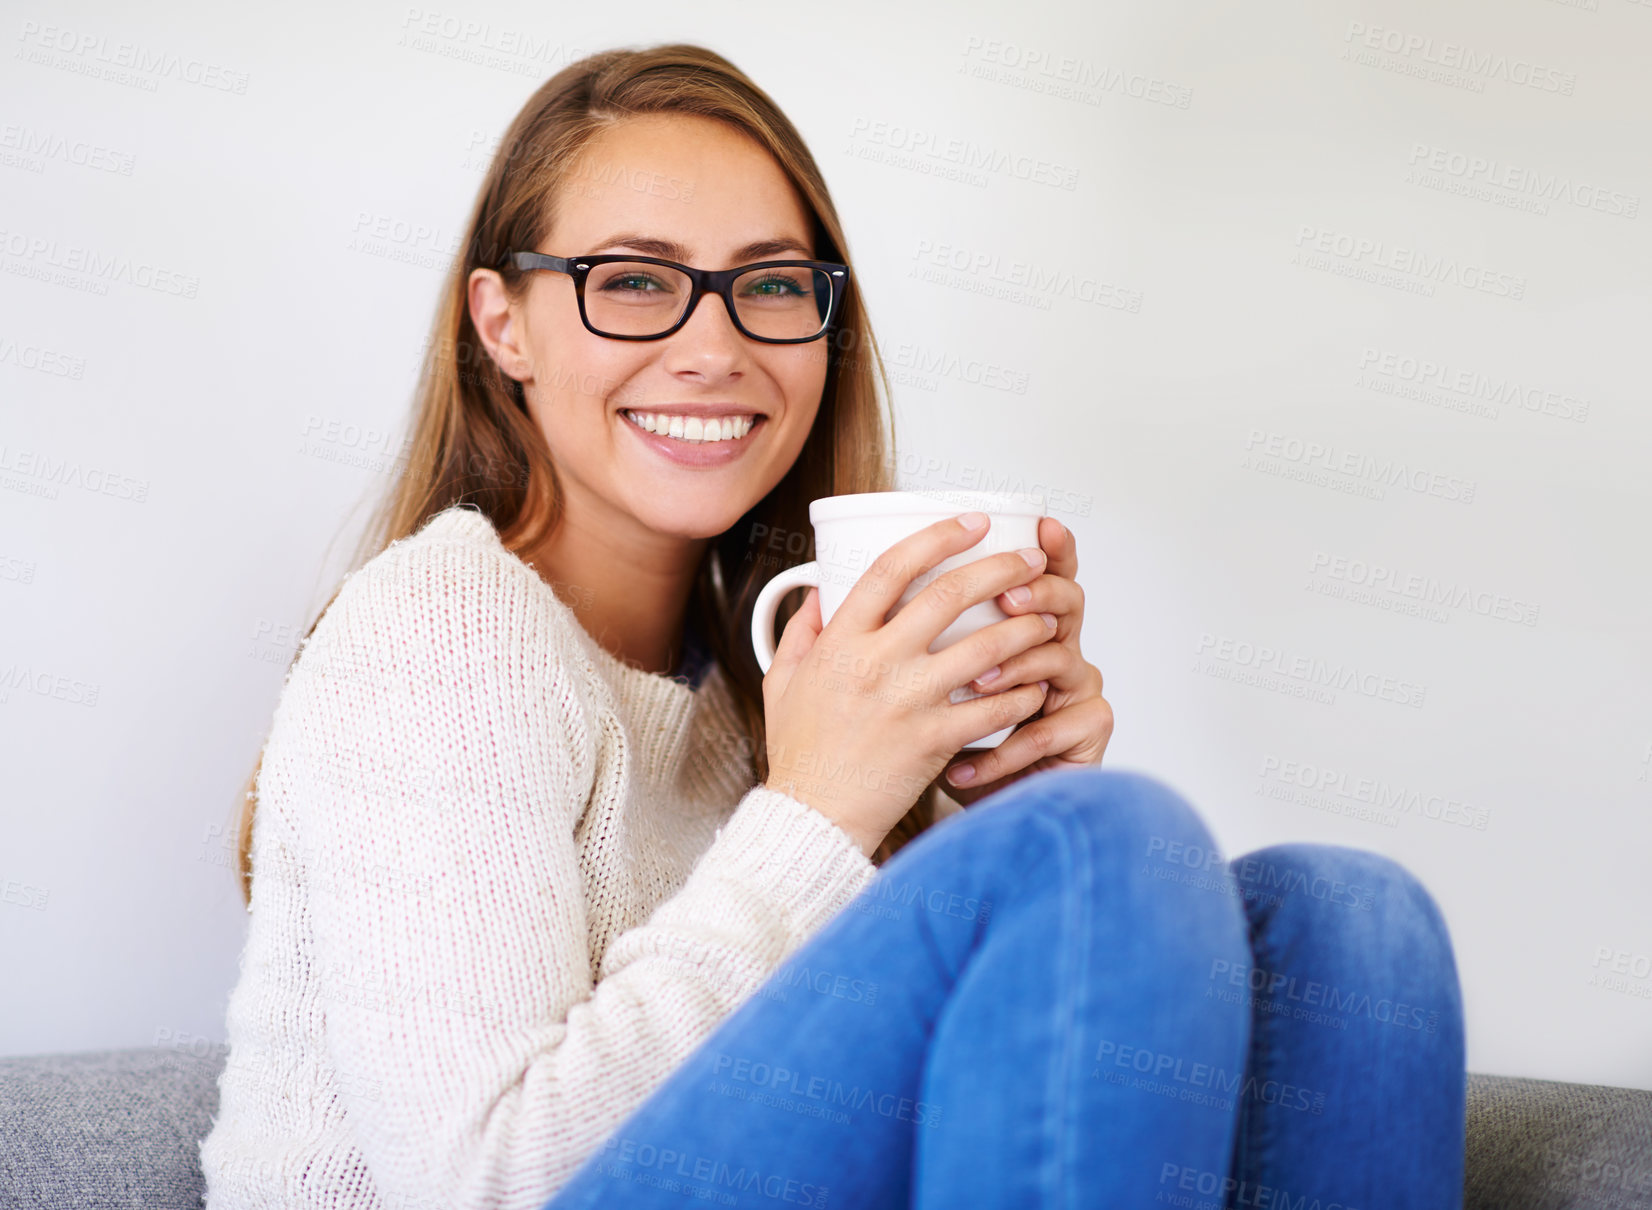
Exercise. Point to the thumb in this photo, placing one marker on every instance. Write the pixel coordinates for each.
(802, 629)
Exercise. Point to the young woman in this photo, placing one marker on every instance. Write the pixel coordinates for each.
(555, 900)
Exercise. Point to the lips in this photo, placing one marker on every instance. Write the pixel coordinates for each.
(691, 428)
(687, 451)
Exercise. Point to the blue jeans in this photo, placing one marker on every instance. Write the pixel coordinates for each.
(1066, 997)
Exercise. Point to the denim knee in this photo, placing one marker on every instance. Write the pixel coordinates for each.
(1368, 886)
(1115, 837)
(1128, 817)
(1368, 909)
(1107, 866)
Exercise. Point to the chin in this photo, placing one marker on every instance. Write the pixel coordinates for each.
(695, 516)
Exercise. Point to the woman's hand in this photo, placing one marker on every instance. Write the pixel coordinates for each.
(858, 712)
(1075, 722)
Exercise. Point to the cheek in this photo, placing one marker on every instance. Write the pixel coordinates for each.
(808, 367)
(575, 365)
(802, 391)
(801, 375)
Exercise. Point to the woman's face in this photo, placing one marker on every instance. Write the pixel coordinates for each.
(692, 190)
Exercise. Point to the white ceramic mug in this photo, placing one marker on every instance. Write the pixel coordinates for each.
(852, 531)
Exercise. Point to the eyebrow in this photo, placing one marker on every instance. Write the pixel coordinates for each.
(671, 250)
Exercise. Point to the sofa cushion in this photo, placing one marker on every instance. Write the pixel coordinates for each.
(1545, 1145)
(106, 1128)
(109, 1128)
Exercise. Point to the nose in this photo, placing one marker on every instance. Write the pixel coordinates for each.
(708, 342)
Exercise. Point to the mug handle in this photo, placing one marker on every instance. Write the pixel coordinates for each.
(804, 575)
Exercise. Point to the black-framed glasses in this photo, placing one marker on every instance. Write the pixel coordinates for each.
(627, 297)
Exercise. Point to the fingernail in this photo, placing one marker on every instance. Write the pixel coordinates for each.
(1019, 595)
(1033, 555)
(1049, 619)
(973, 520)
(1044, 685)
(961, 774)
(990, 675)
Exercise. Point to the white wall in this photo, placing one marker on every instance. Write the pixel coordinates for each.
(1258, 273)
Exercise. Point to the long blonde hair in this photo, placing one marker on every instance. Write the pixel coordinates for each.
(472, 440)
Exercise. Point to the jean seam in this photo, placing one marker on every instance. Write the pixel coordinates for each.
(1051, 818)
(1255, 1128)
(937, 960)
(1078, 887)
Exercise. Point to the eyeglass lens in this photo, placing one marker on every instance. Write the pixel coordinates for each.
(634, 298)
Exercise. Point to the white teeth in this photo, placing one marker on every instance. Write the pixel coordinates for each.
(693, 428)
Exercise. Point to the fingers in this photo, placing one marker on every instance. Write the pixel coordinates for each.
(1053, 662)
(980, 717)
(801, 630)
(876, 592)
(1077, 734)
(1049, 593)
(995, 646)
(941, 602)
(1058, 542)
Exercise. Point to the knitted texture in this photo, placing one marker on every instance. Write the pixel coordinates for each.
(503, 884)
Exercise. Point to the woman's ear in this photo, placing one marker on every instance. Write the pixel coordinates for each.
(490, 314)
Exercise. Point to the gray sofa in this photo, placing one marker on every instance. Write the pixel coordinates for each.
(108, 1128)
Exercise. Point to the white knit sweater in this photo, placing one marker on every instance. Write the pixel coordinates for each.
(503, 884)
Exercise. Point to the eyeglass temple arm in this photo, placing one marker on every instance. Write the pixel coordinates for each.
(536, 260)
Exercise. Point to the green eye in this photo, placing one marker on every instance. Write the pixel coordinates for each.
(783, 285)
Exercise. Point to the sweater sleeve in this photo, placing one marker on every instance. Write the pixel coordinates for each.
(434, 742)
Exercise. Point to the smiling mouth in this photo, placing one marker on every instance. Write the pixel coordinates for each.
(694, 430)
